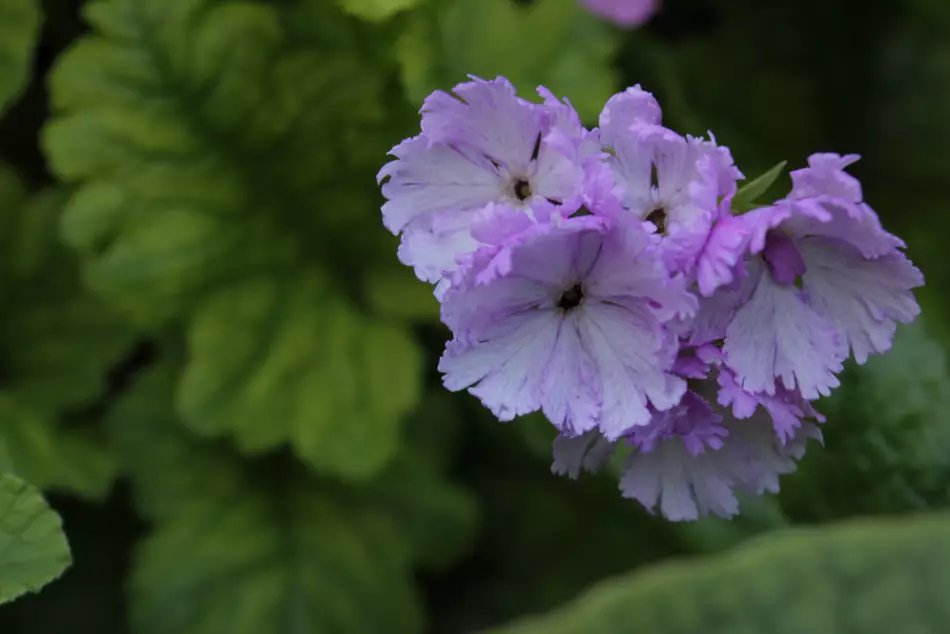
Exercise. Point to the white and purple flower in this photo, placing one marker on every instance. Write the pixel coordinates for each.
(601, 277)
(481, 146)
(673, 182)
(568, 317)
(820, 280)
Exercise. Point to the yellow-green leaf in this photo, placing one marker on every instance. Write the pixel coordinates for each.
(377, 10)
(556, 43)
(244, 547)
(221, 152)
(291, 361)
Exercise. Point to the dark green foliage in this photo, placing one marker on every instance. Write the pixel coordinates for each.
(214, 366)
(857, 577)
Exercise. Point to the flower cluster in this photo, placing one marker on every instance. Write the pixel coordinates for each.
(602, 277)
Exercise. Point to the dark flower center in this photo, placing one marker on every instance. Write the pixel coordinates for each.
(522, 189)
(658, 217)
(571, 298)
(784, 260)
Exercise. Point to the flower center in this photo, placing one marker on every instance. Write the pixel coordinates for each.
(658, 218)
(571, 298)
(522, 189)
(783, 258)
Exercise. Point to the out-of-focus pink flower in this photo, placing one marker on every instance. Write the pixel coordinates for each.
(625, 13)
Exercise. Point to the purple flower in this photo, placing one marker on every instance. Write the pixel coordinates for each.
(568, 317)
(691, 460)
(625, 13)
(589, 451)
(787, 409)
(564, 259)
(483, 146)
(674, 182)
(822, 279)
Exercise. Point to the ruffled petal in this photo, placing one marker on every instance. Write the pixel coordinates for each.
(502, 368)
(786, 408)
(864, 298)
(776, 335)
(692, 421)
(683, 486)
(426, 179)
(633, 354)
(570, 382)
(489, 118)
(715, 313)
(720, 259)
(631, 159)
(589, 451)
(628, 267)
(827, 201)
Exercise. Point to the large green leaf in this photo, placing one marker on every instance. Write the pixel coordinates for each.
(337, 408)
(19, 25)
(872, 577)
(225, 153)
(556, 43)
(33, 549)
(263, 547)
(56, 344)
(57, 340)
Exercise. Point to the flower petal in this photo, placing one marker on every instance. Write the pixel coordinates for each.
(864, 298)
(633, 355)
(684, 486)
(489, 118)
(570, 382)
(589, 451)
(502, 368)
(426, 179)
(777, 335)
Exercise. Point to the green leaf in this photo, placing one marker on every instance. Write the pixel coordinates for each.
(57, 340)
(287, 552)
(887, 443)
(408, 493)
(377, 10)
(56, 344)
(748, 195)
(6, 462)
(555, 43)
(222, 152)
(865, 577)
(55, 456)
(397, 294)
(19, 26)
(33, 549)
(316, 373)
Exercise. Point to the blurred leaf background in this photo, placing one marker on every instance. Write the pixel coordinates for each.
(220, 377)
